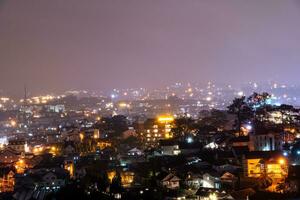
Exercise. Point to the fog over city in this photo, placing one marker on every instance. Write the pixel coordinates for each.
(56, 45)
(149, 99)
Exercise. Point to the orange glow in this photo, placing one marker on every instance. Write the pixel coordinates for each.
(165, 119)
(13, 123)
(281, 161)
(81, 136)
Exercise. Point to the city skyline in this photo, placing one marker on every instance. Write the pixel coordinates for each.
(56, 46)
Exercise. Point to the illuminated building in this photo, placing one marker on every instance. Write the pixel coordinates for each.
(69, 166)
(9, 155)
(153, 130)
(96, 134)
(17, 145)
(211, 181)
(169, 148)
(171, 181)
(7, 180)
(46, 180)
(212, 194)
(20, 166)
(268, 141)
(271, 164)
(103, 144)
(126, 177)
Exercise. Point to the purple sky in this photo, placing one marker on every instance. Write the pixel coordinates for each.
(101, 44)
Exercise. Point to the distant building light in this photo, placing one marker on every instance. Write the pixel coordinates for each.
(189, 140)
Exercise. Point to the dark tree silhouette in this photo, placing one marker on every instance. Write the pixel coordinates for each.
(240, 108)
(183, 125)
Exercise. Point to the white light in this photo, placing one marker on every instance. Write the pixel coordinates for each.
(241, 93)
(189, 140)
(208, 98)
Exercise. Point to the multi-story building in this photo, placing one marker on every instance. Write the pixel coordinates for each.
(154, 130)
(268, 141)
(7, 180)
(17, 145)
(259, 164)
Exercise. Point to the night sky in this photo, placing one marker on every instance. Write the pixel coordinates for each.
(56, 45)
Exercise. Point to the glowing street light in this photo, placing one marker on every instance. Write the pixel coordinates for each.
(281, 161)
(13, 123)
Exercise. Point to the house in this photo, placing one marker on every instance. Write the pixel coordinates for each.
(7, 179)
(228, 180)
(17, 145)
(211, 193)
(44, 179)
(72, 135)
(267, 140)
(169, 148)
(127, 177)
(9, 155)
(171, 181)
(135, 152)
(38, 183)
(193, 180)
(32, 162)
(271, 163)
(211, 180)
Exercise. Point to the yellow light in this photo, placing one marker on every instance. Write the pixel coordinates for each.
(213, 196)
(165, 119)
(281, 161)
(123, 105)
(167, 135)
(81, 136)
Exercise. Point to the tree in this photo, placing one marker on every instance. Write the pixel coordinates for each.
(96, 176)
(256, 100)
(103, 182)
(286, 113)
(113, 126)
(216, 119)
(116, 184)
(240, 108)
(183, 125)
(260, 106)
(131, 141)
